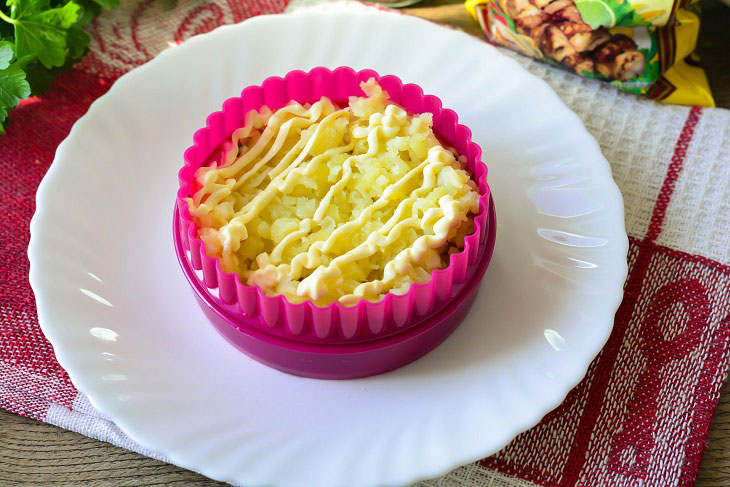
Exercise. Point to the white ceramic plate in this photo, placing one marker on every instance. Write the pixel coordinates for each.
(124, 324)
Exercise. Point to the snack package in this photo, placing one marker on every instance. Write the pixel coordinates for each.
(644, 47)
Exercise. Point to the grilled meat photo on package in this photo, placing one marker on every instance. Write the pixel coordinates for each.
(643, 48)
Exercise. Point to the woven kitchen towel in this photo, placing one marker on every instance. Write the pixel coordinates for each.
(641, 415)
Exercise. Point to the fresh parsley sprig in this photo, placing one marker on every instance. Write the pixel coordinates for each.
(39, 39)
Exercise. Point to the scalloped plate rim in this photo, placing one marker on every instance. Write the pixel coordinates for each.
(65, 355)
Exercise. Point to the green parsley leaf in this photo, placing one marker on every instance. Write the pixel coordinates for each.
(40, 78)
(13, 87)
(92, 8)
(38, 40)
(41, 32)
(78, 42)
(6, 54)
(89, 10)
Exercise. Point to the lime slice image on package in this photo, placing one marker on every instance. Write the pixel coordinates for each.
(644, 47)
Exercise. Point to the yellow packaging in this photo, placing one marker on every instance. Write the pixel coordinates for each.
(641, 46)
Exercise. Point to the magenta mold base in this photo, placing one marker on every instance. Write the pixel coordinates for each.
(335, 324)
(340, 361)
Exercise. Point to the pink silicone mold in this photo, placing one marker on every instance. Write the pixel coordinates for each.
(305, 322)
(339, 361)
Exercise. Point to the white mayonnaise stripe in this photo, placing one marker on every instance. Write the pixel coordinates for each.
(275, 153)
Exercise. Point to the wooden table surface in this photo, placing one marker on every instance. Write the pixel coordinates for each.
(33, 453)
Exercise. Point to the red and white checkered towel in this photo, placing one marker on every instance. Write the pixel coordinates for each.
(641, 415)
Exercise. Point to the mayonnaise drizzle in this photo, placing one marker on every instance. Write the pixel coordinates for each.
(275, 152)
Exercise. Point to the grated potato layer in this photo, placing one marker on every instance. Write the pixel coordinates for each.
(328, 204)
